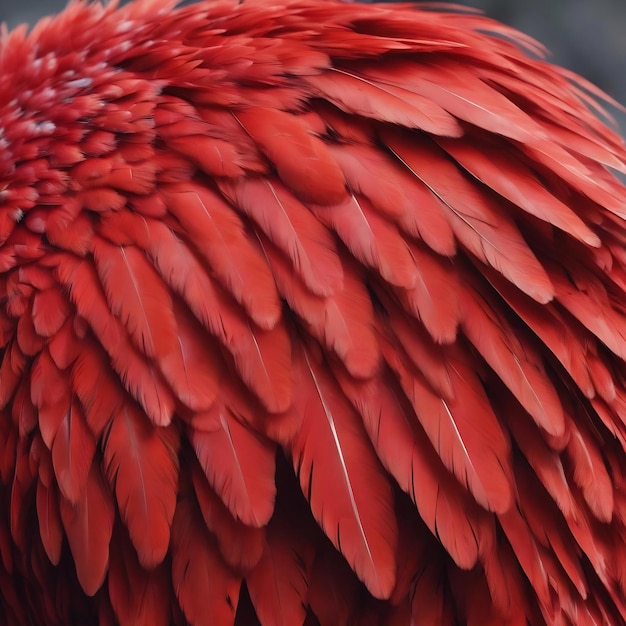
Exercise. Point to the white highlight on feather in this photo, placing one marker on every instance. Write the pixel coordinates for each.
(333, 429)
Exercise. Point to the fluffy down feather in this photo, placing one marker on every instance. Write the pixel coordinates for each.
(311, 313)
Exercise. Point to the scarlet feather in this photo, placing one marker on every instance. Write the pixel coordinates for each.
(239, 466)
(339, 473)
(137, 297)
(241, 546)
(206, 588)
(142, 467)
(318, 301)
(88, 526)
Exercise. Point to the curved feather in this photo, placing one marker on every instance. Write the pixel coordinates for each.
(137, 596)
(88, 526)
(219, 236)
(241, 546)
(517, 364)
(141, 465)
(371, 239)
(475, 219)
(365, 96)
(239, 465)
(393, 191)
(406, 453)
(384, 239)
(303, 161)
(341, 477)
(207, 590)
(262, 357)
(73, 451)
(137, 297)
(194, 366)
(344, 322)
(476, 452)
(278, 584)
(291, 227)
(49, 518)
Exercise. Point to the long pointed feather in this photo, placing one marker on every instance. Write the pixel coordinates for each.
(142, 467)
(340, 476)
(239, 466)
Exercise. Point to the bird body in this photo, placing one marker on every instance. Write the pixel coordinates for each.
(311, 313)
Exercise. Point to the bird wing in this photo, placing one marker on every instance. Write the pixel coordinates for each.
(312, 310)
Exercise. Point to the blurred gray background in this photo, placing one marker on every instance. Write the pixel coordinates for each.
(588, 36)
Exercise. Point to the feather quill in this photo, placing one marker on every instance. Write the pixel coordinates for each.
(340, 476)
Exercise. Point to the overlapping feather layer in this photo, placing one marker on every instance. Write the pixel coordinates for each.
(311, 313)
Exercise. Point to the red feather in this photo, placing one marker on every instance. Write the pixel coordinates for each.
(50, 393)
(50, 311)
(354, 93)
(241, 546)
(476, 452)
(137, 596)
(340, 475)
(395, 193)
(278, 584)
(100, 394)
(589, 471)
(434, 300)
(517, 364)
(515, 182)
(372, 240)
(193, 368)
(262, 357)
(407, 454)
(88, 525)
(344, 322)
(49, 518)
(141, 465)
(239, 465)
(220, 238)
(303, 161)
(291, 227)
(545, 462)
(527, 553)
(73, 451)
(370, 254)
(207, 590)
(137, 297)
(463, 95)
(333, 592)
(476, 220)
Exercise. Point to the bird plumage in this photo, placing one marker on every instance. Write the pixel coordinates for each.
(311, 313)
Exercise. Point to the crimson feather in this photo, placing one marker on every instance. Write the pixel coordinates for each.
(291, 227)
(207, 590)
(278, 584)
(220, 238)
(73, 450)
(88, 526)
(239, 466)
(241, 546)
(137, 296)
(303, 161)
(318, 301)
(137, 596)
(49, 518)
(339, 473)
(142, 467)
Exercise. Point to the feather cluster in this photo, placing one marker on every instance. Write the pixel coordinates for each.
(310, 313)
